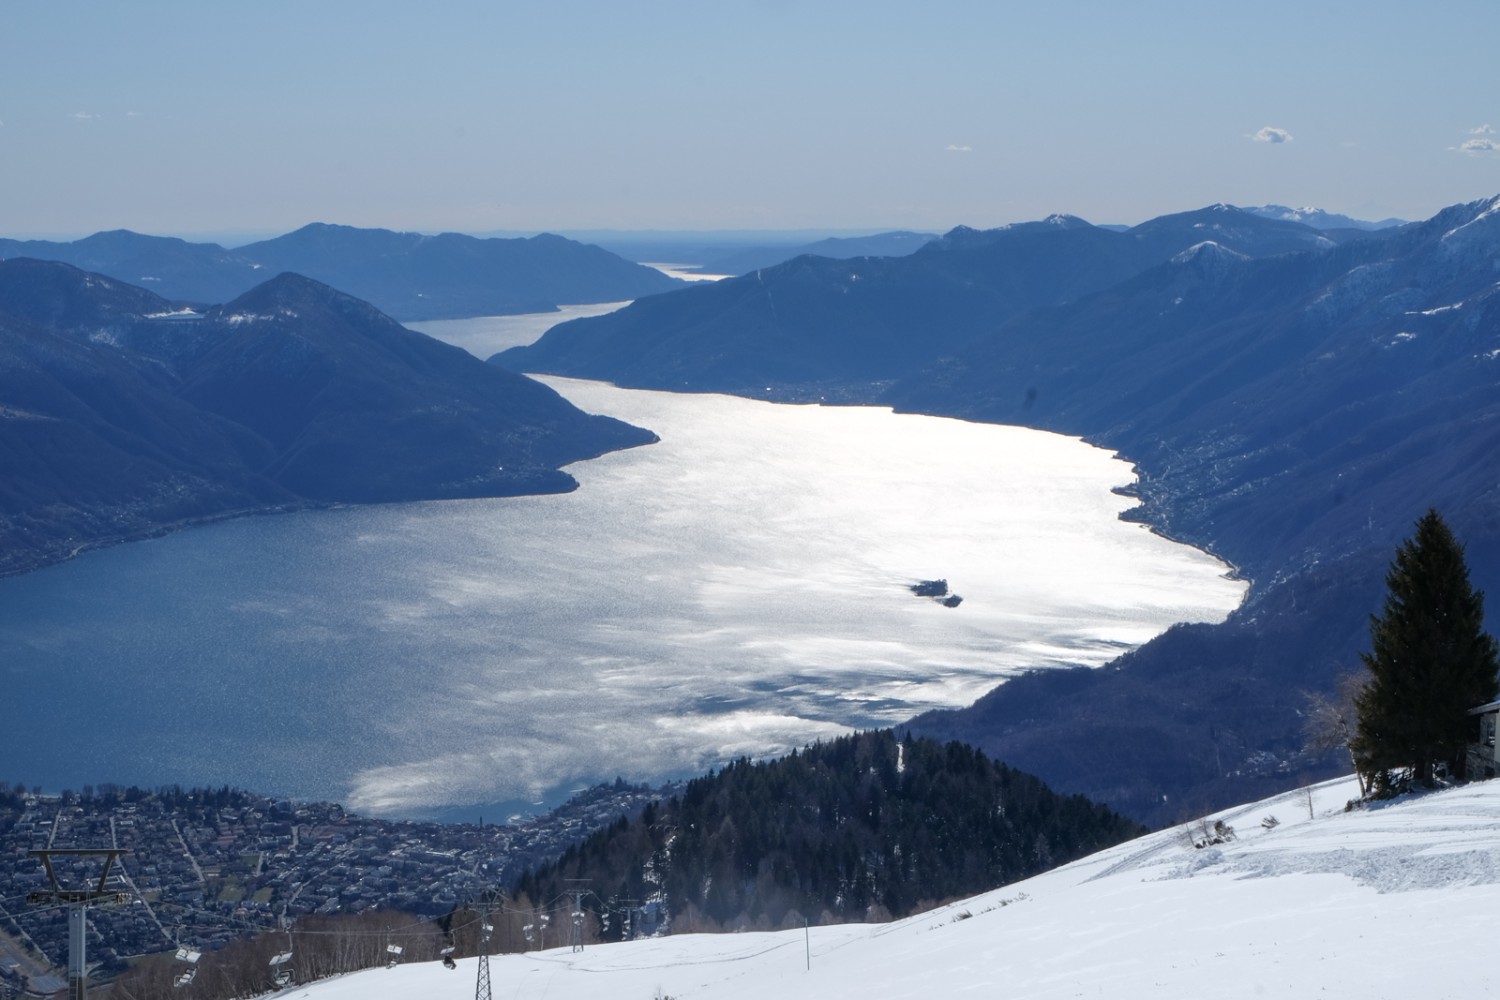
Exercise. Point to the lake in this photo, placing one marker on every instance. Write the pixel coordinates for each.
(740, 588)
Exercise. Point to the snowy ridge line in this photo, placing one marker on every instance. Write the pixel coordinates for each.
(1493, 208)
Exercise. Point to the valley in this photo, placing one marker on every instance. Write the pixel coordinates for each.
(490, 493)
(1194, 359)
(1292, 398)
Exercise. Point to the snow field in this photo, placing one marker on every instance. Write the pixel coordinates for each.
(1391, 901)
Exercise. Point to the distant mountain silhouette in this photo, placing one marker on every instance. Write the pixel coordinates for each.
(411, 276)
(814, 323)
(1234, 229)
(121, 414)
(1319, 219)
(172, 268)
(406, 275)
(754, 258)
(1293, 398)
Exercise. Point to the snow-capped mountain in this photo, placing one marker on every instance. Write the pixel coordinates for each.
(1318, 218)
(1302, 899)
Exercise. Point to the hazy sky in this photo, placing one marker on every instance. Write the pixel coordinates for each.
(203, 117)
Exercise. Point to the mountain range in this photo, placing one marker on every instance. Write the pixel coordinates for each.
(1293, 399)
(817, 324)
(123, 414)
(1319, 218)
(408, 276)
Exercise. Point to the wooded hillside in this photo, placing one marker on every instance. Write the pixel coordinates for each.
(863, 827)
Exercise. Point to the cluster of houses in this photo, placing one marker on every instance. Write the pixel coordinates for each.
(204, 868)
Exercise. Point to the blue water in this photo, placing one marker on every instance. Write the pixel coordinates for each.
(739, 588)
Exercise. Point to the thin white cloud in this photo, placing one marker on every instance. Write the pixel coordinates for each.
(955, 148)
(132, 114)
(1483, 130)
(84, 116)
(1479, 146)
(1272, 134)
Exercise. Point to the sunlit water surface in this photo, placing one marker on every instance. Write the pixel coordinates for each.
(739, 588)
(484, 336)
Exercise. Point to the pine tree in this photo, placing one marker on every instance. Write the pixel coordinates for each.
(1430, 660)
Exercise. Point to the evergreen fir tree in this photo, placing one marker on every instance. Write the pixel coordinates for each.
(1430, 660)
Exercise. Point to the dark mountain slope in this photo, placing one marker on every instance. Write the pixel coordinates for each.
(96, 450)
(71, 299)
(197, 272)
(1296, 416)
(1258, 393)
(359, 408)
(794, 325)
(814, 323)
(411, 276)
(119, 418)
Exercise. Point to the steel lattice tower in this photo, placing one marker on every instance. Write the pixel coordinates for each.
(575, 934)
(487, 903)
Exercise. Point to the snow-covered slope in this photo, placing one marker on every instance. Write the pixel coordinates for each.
(1394, 901)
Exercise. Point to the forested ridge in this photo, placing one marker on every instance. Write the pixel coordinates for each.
(867, 826)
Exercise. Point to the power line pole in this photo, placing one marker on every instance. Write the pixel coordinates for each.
(575, 933)
(628, 908)
(78, 902)
(487, 902)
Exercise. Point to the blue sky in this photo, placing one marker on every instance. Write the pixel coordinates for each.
(209, 117)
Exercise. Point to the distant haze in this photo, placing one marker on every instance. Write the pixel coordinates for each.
(192, 118)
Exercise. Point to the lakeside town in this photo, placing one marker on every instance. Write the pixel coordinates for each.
(207, 866)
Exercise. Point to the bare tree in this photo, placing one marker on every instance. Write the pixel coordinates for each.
(1330, 721)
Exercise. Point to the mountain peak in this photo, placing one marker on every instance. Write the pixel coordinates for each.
(1317, 217)
(289, 294)
(1209, 261)
(1208, 250)
(1230, 227)
(313, 228)
(290, 283)
(1483, 217)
